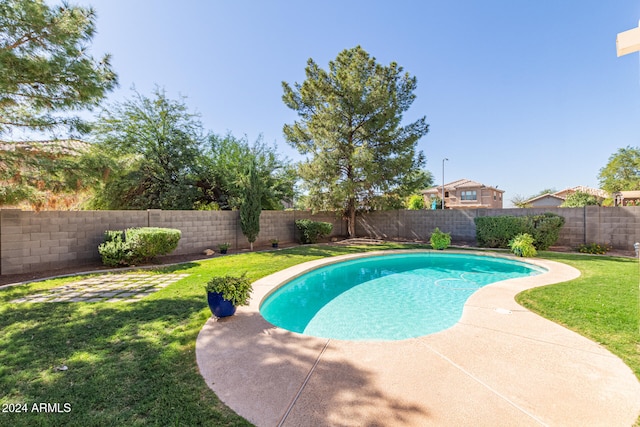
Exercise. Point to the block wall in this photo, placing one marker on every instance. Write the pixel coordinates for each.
(39, 241)
(619, 227)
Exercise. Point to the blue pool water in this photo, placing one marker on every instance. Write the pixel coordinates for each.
(387, 297)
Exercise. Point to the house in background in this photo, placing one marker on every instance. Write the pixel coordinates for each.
(554, 200)
(626, 198)
(465, 194)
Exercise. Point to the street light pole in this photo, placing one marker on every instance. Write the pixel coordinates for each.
(443, 160)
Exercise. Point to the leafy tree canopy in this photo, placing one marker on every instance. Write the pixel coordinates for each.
(415, 202)
(622, 172)
(223, 169)
(45, 67)
(349, 127)
(579, 199)
(157, 142)
(51, 174)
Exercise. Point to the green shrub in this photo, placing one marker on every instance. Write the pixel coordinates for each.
(135, 245)
(148, 242)
(594, 248)
(522, 245)
(545, 229)
(497, 231)
(114, 251)
(312, 231)
(235, 289)
(114, 235)
(439, 239)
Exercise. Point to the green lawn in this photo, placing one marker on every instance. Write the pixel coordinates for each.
(134, 363)
(602, 304)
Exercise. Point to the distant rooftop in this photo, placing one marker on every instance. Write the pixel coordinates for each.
(461, 184)
(562, 194)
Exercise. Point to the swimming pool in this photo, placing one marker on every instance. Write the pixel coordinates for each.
(386, 297)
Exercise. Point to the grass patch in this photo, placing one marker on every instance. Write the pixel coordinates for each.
(602, 304)
(128, 363)
(134, 363)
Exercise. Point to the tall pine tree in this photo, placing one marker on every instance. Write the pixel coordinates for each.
(45, 67)
(349, 127)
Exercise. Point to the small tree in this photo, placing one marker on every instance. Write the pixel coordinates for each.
(251, 206)
(520, 201)
(415, 202)
(622, 171)
(224, 161)
(579, 199)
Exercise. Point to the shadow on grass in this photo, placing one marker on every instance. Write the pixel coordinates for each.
(128, 364)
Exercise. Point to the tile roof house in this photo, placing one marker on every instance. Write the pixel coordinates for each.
(626, 198)
(554, 200)
(465, 194)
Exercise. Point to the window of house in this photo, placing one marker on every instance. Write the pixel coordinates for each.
(468, 195)
(446, 194)
(494, 196)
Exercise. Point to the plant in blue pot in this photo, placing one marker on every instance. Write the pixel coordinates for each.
(226, 293)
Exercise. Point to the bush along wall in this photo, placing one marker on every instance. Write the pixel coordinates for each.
(312, 231)
(137, 245)
(498, 231)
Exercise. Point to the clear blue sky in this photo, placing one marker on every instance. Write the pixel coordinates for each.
(523, 95)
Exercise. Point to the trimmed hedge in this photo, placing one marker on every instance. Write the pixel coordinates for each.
(149, 242)
(497, 231)
(545, 229)
(312, 231)
(136, 245)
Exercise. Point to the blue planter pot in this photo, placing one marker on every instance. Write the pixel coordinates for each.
(219, 306)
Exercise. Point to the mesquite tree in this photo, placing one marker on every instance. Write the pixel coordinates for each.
(157, 142)
(349, 127)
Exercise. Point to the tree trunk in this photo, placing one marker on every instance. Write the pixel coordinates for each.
(351, 218)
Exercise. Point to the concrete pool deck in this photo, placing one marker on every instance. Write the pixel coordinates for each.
(499, 365)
